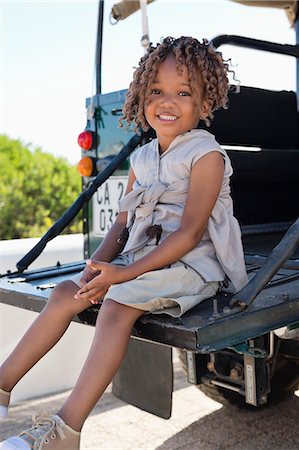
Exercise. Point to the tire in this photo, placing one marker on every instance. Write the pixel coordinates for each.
(285, 379)
(284, 382)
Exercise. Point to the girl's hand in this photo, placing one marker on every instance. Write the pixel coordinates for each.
(97, 287)
(88, 274)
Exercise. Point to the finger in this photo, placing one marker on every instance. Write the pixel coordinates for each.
(97, 298)
(88, 286)
(94, 301)
(87, 295)
(87, 276)
(96, 265)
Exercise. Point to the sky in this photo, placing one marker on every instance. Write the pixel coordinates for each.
(48, 52)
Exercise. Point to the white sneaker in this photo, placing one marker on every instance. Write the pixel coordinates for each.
(47, 433)
(15, 443)
(4, 403)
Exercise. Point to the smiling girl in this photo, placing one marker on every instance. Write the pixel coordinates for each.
(173, 243)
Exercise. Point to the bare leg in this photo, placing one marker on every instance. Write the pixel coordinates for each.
(113, 329)
(43, 334)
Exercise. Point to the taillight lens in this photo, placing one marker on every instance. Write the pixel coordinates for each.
(85, 140)
(86, 166)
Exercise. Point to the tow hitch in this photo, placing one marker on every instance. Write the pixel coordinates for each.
(244, 368)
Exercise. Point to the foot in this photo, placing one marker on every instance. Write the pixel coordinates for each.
(4, 403)
(50, 433)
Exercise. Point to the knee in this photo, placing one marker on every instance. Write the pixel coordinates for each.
(117, 315)
(63, 290)
(62, 295)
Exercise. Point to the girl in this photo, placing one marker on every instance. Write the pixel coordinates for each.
(172, 245)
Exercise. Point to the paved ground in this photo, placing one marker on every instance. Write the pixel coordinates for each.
(197, 423)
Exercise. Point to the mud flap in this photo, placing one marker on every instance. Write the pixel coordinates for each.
(145, 378)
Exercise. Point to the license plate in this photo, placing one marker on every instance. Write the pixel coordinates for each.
(105, 204)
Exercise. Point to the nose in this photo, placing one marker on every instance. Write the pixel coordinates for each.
(167, 99)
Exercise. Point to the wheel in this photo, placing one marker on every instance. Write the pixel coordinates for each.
(284, 382)
(285, 379)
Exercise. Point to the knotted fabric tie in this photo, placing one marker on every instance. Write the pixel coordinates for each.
(143, 199)
(141, 203)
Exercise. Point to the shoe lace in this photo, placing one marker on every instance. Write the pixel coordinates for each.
(44, 428)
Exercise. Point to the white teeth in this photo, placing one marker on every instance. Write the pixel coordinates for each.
(164, 117)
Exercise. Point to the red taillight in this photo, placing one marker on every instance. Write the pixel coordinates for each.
(85, 166)
(85, 140)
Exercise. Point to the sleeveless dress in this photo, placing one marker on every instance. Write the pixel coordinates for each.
(158, 198)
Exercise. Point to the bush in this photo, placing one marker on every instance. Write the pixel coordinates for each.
(35, 189)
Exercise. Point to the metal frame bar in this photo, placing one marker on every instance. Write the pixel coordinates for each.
(273, 263)
(98, 62)
(256, 44)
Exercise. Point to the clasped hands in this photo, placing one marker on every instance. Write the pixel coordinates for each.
(96, 279)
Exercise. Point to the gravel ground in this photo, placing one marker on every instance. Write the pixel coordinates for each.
(197, 423)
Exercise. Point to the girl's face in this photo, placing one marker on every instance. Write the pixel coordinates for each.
(170, 108)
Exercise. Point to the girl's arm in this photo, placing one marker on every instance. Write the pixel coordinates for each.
(109, 247)
(205, 184)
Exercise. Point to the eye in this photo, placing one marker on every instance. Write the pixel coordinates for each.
(185, 94)
(155, 91)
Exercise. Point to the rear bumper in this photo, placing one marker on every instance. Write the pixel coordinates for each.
(200, 330)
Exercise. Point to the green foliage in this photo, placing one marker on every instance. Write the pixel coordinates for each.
(35, 189)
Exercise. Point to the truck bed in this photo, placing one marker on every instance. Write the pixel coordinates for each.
(207, 327)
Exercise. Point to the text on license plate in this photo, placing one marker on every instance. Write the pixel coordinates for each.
(105, 204)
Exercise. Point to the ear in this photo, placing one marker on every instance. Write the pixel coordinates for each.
(205, 109)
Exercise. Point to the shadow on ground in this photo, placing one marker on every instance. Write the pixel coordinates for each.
(231, 428)
(228, 428)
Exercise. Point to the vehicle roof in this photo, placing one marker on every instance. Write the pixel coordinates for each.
(124, 9)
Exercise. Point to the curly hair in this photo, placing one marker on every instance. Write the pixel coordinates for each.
(199, 58)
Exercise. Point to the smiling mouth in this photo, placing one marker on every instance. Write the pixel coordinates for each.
(167, 117)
